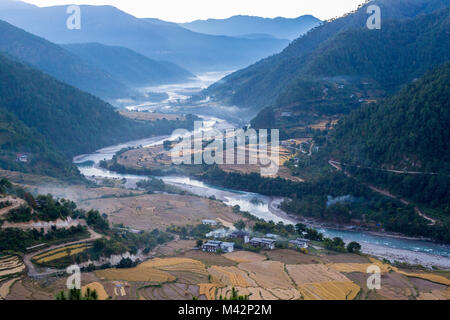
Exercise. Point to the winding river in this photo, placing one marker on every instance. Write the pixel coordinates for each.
(393, 248)
(383, 246)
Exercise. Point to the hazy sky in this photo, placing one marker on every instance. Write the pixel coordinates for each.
(188, 10)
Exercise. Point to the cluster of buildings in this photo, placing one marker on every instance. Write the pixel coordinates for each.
(215, 246)
(266, 243)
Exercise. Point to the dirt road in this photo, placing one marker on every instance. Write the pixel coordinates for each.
(338, 166)
(33, 273)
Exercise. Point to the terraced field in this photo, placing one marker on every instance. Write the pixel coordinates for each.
(244, 256)
(156, 270)
(279, 274)
(230, 276)
(268, 274)
(170, 291)
(137, 274)
(333, 290)
(10, 265)
(310, 273)
(60, 253)
(97, 286)
(6, 286)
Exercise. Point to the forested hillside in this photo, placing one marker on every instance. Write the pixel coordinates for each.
(316, 57)
(388, 58)
(409, 131)
(73, 121)
(129, 67)
(17, 139)
(57, 62)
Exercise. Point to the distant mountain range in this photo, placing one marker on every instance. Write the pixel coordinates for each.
(127, 66)
(243, 26)
(152, 38)
(58, 62)
(105, 71)
(344, 49)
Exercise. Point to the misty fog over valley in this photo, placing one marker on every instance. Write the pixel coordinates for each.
(239, 158)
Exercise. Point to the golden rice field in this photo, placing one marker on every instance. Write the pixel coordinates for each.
(268, 274)
(230, 276)
(286, 294)
(244, 256)
(309, 273)
(154, 270)
(97, 286)
(333, 290)
(357, 267)
(60, 253)
(137, 274)
(435, 295)
(208, 290)
(5, 287)
(9, 262)
(10, 265)
(176, 264)
(428, 276)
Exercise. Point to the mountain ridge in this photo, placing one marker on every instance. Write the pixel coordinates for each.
(110, 26)
(279, 27)
(260, 84)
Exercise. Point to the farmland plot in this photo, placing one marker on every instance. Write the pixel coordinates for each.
(137, 274)
(268, 274)
(244, 256)
(155, 270)
(309, 273)
(333, 290)
(231, 276)
(98, 287)
(170, 291)
(5, 287)
(208, 290)
(10, 265)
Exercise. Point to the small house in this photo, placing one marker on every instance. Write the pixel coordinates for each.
(300, 243)
(264, 243)
(214, 246)
(240, 234)
(211, 246)
(209, 222)
(22, 158)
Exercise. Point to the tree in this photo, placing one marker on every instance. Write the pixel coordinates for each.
(199, 243)
(338, 242)
(75, 294)
(235, 295)
(240, 225)
(167, 144)
(300, 228)
(354, 247)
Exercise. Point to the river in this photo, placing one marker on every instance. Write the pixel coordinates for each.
(393, 248)
(383, 246)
